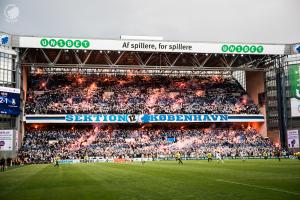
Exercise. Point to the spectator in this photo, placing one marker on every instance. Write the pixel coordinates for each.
(40, 146)
(102, 94)
(2, 164)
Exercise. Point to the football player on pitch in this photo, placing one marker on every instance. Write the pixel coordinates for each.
(178, 158)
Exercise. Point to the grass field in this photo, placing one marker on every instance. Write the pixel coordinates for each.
(253, 179)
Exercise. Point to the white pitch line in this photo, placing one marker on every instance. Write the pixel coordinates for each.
(260, 187)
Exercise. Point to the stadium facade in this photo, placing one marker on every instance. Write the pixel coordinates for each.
(263, 70)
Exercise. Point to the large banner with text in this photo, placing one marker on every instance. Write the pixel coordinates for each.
(141, 118)
(293, 138)
(149, 46)
(294, 79)
(6, 140)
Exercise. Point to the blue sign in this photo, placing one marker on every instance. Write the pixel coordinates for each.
(171, 139)
(4, 39)
(102, 118)
(184, 118)
(9, 101)
(297, 48)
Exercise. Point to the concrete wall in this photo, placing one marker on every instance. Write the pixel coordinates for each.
(255, 84)
(25, 72)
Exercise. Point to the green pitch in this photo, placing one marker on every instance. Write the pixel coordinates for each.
(253, 179)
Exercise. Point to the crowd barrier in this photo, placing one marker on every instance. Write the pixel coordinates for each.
(126, 160)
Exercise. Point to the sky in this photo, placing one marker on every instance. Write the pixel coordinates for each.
(244, 21)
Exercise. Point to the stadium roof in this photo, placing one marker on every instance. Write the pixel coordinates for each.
(144, 54)
(95, 59)
(115, 55)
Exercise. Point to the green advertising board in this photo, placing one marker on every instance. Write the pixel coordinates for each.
(64, 43)
(294, 78)
(242, 48)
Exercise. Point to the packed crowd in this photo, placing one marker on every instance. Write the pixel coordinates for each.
(103, 94)
(43, 144)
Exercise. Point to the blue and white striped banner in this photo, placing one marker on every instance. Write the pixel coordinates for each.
(141, 118)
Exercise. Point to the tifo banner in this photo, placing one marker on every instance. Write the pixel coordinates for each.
(294, 78)
(141, 118)
(293, 138)
(149, 46)
(6, 140)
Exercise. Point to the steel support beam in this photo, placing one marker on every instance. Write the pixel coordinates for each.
(281, 102)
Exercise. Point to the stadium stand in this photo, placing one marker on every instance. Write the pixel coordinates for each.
(41, 144)
(119, 94)
(103, 94)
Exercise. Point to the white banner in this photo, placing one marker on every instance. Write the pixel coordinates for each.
(141, 159)
(149, 46)
(6, 140)
(7, 89)
(293, 138)
(295, 107)
(142, 118)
